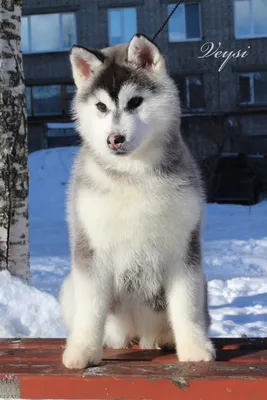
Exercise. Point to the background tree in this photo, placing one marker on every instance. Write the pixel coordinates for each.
(14, 243)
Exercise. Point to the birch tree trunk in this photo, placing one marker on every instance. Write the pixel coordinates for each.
(14, 242)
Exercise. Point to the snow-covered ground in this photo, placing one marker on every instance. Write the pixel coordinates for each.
(235, 256)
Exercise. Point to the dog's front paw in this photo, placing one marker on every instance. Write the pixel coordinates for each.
(196, 351)
(75, 357)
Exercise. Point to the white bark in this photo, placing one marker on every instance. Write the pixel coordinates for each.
(14, 246)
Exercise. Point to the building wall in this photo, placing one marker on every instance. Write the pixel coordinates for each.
(221, 88)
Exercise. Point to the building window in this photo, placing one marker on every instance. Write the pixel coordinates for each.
(253, 88)
(191, 91)
(46, 100)
(185, 22)
(68, 94)
(250, 18)
(48, 32)
(49, 99)
(57, 129)
(122, 24)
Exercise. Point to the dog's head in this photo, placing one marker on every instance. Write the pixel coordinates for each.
(125, 99)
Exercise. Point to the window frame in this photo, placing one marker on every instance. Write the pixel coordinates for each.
(110, 9)
(31, 103)
(252, 101)
(51, 127)
(200, 23)
(62, 50)
(63, 100)
(187, 106)
(249, 75)
(251, 35)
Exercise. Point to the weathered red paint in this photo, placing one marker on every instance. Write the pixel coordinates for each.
(133, 388)
(240, 372)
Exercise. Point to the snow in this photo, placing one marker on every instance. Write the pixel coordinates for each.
(26, 311)
(235, 258)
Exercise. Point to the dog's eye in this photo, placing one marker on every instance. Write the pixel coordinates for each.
(101, 107)
(134, 102)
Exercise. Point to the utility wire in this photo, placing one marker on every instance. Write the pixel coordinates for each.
(167, 19)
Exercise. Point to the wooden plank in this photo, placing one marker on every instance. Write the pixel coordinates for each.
(60, 343)
(136, 369)
(32, 368)
(220, 343)
(130, 355)
(143, 389)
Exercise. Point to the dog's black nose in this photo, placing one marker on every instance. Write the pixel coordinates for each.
(115, 140)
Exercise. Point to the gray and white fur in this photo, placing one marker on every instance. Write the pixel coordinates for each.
(134, 212)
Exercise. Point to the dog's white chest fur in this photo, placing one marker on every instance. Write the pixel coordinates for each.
(124, 215)
(136, 218)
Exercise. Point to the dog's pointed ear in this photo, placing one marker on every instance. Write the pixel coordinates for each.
(145, 54)
(85, 63)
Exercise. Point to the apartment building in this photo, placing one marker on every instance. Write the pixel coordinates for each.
(224, 94)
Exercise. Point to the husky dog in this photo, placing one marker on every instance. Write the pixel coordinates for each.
(134, 212)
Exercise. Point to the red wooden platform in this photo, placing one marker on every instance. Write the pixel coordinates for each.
(32, 369)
